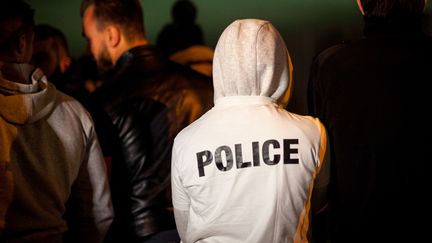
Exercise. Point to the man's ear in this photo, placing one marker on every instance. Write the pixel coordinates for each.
(65, 63)
(22, 48)
(113, 36)
(360, 6)
(21, 44)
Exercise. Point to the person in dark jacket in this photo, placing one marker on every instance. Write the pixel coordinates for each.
(372, 95)
(148, 100)
(182, 40)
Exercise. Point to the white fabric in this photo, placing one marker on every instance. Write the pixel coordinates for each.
(269, 199)
(49, 143)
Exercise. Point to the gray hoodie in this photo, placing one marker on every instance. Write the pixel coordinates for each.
(251, 59)
(49, 144)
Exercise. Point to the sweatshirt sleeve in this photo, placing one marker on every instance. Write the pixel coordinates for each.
(181, 200)
(90, 208)
(322, 180)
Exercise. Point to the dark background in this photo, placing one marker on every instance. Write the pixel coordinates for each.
(307, 26)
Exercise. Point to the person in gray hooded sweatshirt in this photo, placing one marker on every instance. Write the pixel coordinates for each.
(247, 169)
(49, 154)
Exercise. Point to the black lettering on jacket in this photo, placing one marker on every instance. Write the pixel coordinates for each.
(228, 156)
(224, 157)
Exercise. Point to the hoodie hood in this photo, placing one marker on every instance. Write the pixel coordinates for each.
(251, 59)
(25, 103)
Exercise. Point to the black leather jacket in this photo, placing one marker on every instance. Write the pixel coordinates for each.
(148, 101)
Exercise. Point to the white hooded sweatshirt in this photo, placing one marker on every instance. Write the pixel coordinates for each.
(48, 143)
(245, 170)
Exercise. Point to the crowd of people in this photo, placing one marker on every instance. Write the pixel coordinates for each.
(179, 142)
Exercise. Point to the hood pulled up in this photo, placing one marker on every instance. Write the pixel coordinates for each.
(251, 59)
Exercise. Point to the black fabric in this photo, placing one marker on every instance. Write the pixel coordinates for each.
(373, 97)
(148, 101)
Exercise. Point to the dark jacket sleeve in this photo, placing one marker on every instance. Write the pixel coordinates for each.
(140, 183)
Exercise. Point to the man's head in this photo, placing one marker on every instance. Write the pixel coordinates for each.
(387, 8)
(184, 11)
(16, 31)
(111, 28)
(50, 50)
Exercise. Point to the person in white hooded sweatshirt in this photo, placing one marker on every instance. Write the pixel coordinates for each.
(50, 159)
(247, 169)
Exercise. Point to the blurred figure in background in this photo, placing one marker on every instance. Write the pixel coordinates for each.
(51, 54)
(182, 40)
(89, 76)
(48, 142)
(147, 100)
(372, 95)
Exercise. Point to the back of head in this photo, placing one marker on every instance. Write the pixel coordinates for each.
(127, 14)
(184, 11)
(389, 8)
(44, 32)
(50, 50)
(16, 19)
(183, 32)
(251, 59)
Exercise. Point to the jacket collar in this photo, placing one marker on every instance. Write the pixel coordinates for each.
(131, 66)
(145, 55)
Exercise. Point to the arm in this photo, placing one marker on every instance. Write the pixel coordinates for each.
(180, 198)
(320, 191)
(181, 218)
(90, 201)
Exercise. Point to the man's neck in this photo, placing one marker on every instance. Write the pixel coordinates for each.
(127, 46)
(16, 72)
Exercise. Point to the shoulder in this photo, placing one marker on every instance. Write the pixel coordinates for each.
(186, 82)
(72, 108)
(196, 128)
(190, 76)
(68, 101)
(306, 119)
(310, 125)
(330, 52)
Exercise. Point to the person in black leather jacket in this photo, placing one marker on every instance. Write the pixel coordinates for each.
(146, 100)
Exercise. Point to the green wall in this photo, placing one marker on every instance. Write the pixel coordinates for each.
(291, 17)
(306, 25)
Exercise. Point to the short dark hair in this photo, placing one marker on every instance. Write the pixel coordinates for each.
(45, 31)
(384, 8)
(127, 14)
(16, 19)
